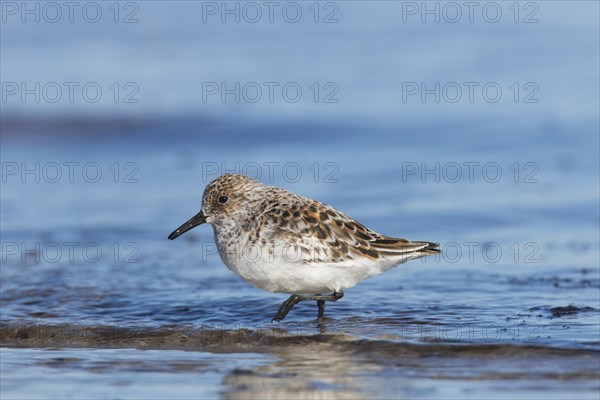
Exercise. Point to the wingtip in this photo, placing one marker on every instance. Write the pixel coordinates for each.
(431, 248)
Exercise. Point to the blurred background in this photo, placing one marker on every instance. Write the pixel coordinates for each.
(471, 124)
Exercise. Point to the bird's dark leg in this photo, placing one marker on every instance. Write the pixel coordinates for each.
(296, 298)
(321, 305)
(287, 306)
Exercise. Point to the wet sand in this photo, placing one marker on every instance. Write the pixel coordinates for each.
(283, 363)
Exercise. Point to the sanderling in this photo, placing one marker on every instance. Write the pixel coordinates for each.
(286, 243)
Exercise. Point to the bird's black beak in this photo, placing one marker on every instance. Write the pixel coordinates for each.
(193, 222)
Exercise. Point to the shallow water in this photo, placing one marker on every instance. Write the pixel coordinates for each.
(307, 368)
(97, 303)
(467, 324)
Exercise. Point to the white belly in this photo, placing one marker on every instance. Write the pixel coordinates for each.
(266, 269)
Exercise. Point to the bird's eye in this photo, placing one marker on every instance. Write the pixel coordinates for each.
(223, 199)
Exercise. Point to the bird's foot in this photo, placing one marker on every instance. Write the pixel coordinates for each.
(296, 298)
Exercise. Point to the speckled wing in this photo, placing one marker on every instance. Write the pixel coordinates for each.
(325, 235)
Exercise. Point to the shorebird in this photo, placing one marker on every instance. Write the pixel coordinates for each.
(286, 243)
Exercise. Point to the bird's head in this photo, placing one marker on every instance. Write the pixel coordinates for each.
(226, 200)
